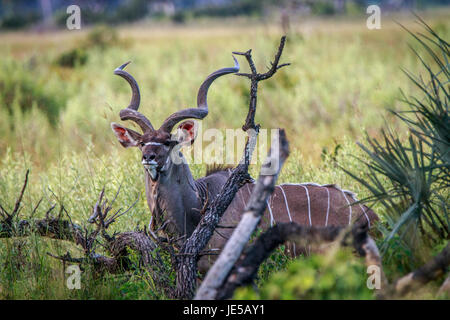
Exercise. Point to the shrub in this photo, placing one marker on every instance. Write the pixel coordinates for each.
(17, 21)
(411, 179)
(245, 7)
(72, 58)
(322, 7)
(101, 37)
(22, 88)
(179, 17)
(130, 11)
(337, 275)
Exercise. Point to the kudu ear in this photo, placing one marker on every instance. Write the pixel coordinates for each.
(187, 132)
(127, 137)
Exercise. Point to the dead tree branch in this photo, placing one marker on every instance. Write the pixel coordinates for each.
(8, 217)
(253, 213)
(117, 245)
(445, 287)
(435, 268)
(255, 77)
(246, 269)
(51, 227)
(186, 261)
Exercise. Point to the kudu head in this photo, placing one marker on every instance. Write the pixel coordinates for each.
(157, 145)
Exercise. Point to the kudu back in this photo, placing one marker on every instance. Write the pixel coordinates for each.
(176, 199)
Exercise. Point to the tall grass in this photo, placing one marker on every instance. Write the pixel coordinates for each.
(338, 83)
(341, 79)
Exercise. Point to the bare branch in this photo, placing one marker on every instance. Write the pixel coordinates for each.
(19, 200)
(8, 217)
(118, 214)
(186, 261)
(245, 270)
(255, 77)
(35, 208)
(430, 271)
(67, 258)
(253, 213)
(445, 287)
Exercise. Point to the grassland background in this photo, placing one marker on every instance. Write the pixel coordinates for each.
(342, 79)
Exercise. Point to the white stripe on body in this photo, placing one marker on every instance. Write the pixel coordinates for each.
(352, 194)
(364, 211)
(270, 212)
(349, 207)
(328, 207)
(290, 218)
(309, 204)
(344, 192)
(268, 206)
(243, 201)
(286, 203)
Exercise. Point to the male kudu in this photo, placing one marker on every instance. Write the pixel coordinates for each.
(174, 196)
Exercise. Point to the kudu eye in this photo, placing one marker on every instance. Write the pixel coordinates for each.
(142, 144)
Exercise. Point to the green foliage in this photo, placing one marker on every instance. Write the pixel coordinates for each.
(411, 178)
(179, 17)
(100, 37)
(18, 20)
(243, 7)
(109, 13)
(23, 87)
(277, 261)
(321, 107)
(27, 271)
(130, 11)
(72, 58)
(319, 103)
(140, 284)
(337, 275)
(322, 7)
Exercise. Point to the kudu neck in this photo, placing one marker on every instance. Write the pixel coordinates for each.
(175, 196)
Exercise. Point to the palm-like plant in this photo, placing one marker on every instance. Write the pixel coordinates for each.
(411, 178)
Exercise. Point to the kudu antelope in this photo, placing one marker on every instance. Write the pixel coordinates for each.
(176, 198)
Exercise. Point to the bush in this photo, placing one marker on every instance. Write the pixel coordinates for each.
(337, 275)
(18, 21)
(72, 58)
(101, 37)
(22, 89)
(245, 8)
(131, 11)
(411, 179)
(322, 7)
(179, 17)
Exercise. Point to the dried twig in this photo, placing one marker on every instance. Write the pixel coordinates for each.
(253, 213)
(255, 77)
(186, 261)
(8, 217)
(430, 271)
(245, 270)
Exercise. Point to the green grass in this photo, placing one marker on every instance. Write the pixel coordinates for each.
(342, 79)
